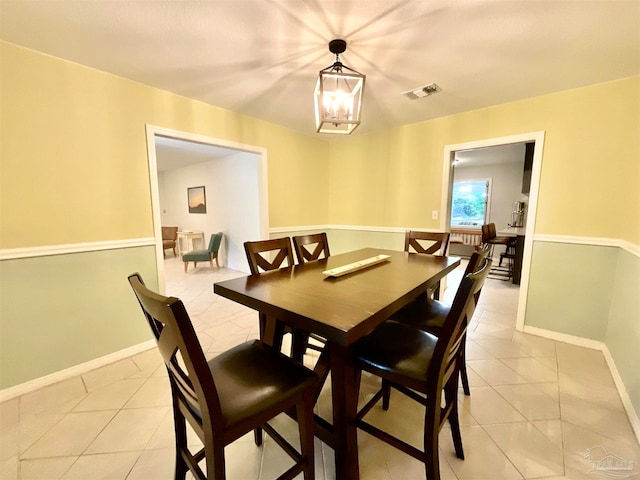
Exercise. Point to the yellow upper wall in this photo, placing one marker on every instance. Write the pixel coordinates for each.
(590, 180)
(74, 162)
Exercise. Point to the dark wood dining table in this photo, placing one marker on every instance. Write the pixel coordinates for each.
(342, 310)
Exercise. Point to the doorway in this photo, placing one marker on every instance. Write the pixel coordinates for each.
(238, 168)
(447, 186)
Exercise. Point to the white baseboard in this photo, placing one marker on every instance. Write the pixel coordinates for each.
(35, 384)
(595, 345)
(564, 337)
(624, 395)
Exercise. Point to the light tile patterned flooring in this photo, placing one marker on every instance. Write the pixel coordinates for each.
(536, 408)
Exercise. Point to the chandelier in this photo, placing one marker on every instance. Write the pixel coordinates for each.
(338, 95)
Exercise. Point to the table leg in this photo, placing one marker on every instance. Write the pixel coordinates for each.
(345, 404)
(517, 262)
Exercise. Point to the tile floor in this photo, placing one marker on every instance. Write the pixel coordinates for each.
(538, 408)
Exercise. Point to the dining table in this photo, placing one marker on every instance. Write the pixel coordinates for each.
(341, 304)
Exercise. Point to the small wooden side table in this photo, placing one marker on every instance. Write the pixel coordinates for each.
(189, 236)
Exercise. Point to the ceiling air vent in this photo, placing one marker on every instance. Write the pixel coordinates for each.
(423, 91)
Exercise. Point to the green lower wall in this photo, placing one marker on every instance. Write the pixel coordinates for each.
(79, 307)
(592, 292)
(63, 310)
(570, 288)
(623, 329)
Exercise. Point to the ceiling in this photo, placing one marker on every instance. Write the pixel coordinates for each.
(261, 57)
(496, 155)
(173, 153)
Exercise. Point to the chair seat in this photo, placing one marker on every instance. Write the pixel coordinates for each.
(268, 379)
(424, 313)
(398, 352)
(197, 256)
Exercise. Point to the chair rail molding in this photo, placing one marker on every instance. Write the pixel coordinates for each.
(538, 237)
(596, 241)
(66, 249)
(356, 228)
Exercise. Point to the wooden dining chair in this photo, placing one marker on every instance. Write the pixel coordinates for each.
(266, 255)
(431, 243)
(430, 315)
(228, 396)
(424, 368)
(303, 244)
(490, 238)
(310, 248)
(259, 253)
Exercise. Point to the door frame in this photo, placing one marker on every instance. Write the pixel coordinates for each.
(447, 183)
(263, 195)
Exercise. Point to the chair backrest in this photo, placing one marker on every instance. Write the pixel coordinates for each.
(214, 242)
(488, 231)
(452, 334)
(192, 386)
(476, 263)
(169, 233)
(304, 254)
(258, 252)
(426, 242)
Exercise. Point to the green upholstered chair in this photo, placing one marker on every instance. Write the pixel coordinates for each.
(207, 255)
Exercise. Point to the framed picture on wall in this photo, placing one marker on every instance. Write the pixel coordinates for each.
(197, 200)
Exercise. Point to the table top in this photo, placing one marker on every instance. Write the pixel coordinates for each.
(345, 308)
(513, 231)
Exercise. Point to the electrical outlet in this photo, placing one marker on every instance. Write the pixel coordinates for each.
(434, 214)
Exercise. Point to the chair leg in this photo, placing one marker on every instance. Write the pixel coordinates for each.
(299, 343)
(451, 398)
(432, 457)
(386, 395)
(186, 264)
(463, 367)
(179, 425)
(436, 292)
(304, 414)
(257, 436)
(211, 264)
(216, 462)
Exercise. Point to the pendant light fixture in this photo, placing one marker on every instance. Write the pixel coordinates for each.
(338, 95)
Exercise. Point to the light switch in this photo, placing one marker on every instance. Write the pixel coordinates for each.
(434, 214)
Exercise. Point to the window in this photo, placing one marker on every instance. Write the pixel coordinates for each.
(469, 203)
